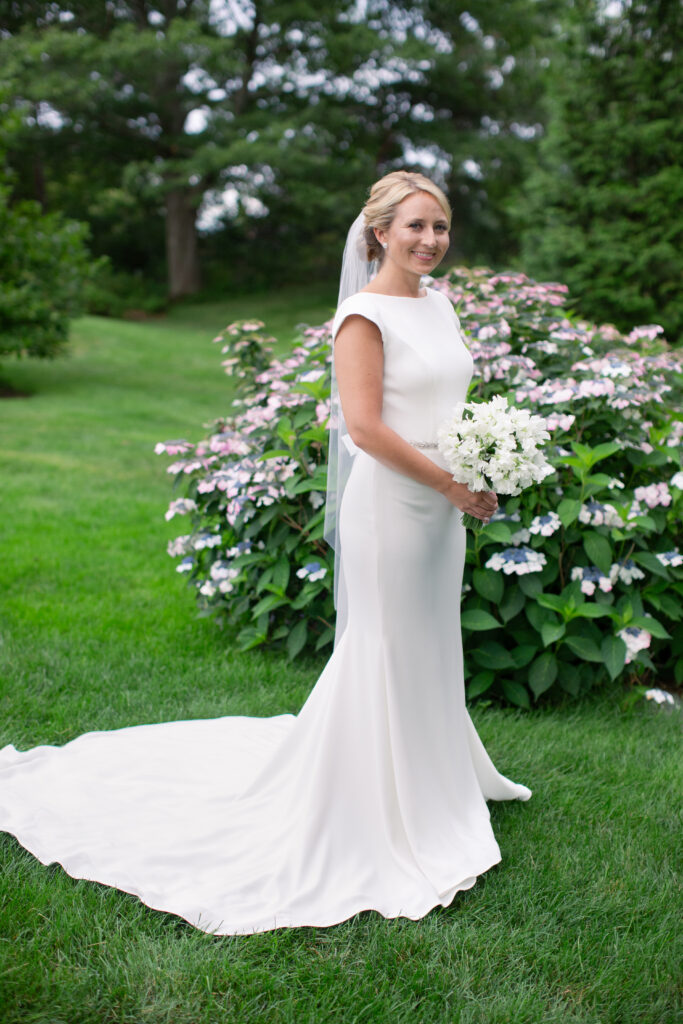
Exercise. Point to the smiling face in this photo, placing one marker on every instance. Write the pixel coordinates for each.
(417, 238)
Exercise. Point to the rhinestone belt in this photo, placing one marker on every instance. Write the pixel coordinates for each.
(424, 444)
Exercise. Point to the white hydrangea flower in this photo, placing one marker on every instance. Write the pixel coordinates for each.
(180, 507)
(206, 540)
(180, 545)
(677, 480)
(660, 696)
(208, 589)
(591, 577)
(594, 513)
(636, 639)
(520, 537)
(627, 571)
(670, 558)
(519, 561)
(312, 571)
(545, 524)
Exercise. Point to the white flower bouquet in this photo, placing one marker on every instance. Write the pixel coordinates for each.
(491, 447)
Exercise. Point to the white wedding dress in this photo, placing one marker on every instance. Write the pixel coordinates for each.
(374, 795)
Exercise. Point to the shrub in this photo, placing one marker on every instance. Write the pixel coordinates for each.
(574, 583)
(44, 263)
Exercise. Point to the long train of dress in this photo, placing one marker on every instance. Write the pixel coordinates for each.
(374, 795)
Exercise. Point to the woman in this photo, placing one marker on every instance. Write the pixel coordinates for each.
(373, 796)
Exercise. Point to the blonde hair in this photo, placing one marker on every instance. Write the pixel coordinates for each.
(385, 196)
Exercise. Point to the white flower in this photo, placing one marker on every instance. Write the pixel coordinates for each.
(591, 577)
(208, 589)
(491, 447)
(517, 560)
(185, 565)
(206, 540)
(660, 696)
(180, 507)
(672, 558)
(597, 514)
(635, 639)
(520, 537)
(180, 545)
(546, 524)
(626, 571)
(316, 499)
(312, 571)
(677, 480)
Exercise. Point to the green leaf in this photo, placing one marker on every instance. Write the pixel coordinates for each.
(296, 639)
(516, 693)
(584, 647)
(498, 532)
(583, 451)
(543, 673)
(480, 683)
(614, 655)
(599, 550)
(512, 603)
(538, 616)
(552, 631)
(592, 610)
(568, 678)
(493, 656)
(553, 601)
(477, 618)
(523, 654)
(530, 585)
(267, 604)
(603, 451)
(488, 584)
(281, 574)
(653, 626)
(568, 510)
(648, 561)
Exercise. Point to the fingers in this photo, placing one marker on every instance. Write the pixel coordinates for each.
(483, 505)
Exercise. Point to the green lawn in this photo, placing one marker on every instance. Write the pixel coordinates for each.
(578, 923)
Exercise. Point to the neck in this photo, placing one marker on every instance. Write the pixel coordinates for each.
(394, 281)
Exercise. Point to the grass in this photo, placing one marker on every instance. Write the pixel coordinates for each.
(578, 923)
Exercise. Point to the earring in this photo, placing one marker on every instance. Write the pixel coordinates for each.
(384, 245)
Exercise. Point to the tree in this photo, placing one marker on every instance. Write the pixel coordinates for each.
(44, 263)
(293, 105)
(602, 210)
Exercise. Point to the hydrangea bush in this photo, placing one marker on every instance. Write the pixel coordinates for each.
(576, 582)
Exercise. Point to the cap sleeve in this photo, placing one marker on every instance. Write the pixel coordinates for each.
(360, 304)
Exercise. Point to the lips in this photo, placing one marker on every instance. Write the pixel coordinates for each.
(425, 256)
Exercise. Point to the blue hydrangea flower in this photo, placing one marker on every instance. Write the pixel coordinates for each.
(519, 561)
(312, 571)
(672, 558)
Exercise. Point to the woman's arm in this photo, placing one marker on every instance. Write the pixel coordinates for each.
(359, 364)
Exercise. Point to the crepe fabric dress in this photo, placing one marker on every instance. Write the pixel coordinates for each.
(374, 796)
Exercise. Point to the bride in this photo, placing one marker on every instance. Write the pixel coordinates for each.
(374, 796)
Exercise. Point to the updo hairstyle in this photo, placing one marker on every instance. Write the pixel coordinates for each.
(385, 195)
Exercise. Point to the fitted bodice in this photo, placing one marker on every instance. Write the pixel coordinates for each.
(427, 368)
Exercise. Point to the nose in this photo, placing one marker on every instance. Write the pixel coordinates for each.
(429, 238)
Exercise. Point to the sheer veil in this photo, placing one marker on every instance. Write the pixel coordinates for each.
(356, 272)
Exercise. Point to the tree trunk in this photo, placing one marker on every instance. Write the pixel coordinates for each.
(182, 255)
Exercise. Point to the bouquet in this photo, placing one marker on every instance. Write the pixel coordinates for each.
(492, 448)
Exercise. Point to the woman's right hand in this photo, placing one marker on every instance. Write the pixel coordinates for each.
(481, 504)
